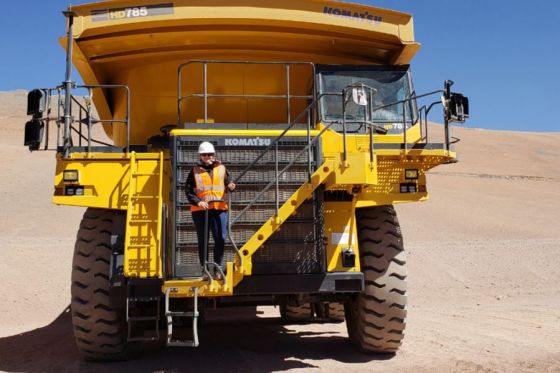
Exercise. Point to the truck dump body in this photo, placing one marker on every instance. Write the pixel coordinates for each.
(140, 44)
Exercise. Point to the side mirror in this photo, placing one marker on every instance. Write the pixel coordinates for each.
(36, 102)
(456, 105)
(33, 135)
(458, 110)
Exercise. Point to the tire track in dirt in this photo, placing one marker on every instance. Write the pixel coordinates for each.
(496, 176)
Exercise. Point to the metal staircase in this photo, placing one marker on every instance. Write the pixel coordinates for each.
(272, 168)
(255, 163)
(142, 239)
(171, 315)
(143, 218)
(142, 311)
(276, 212)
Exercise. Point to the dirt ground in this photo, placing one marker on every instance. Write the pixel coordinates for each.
(483, 262)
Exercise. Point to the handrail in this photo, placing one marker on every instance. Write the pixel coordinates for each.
(231, 222)
(282, 172)
(81, 136)
(66, 137)
(310, 142)
(125, 121)
(247, 168)
(68, 85)
(205, 95)
(279, 137)
(278, 174)
(404, 119)
(307, 148)
(230, 236)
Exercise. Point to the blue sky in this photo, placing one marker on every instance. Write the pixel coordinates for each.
(503, 54)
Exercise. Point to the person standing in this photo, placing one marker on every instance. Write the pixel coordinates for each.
(207, 182)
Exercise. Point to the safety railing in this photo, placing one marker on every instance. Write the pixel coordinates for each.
(455, 108)
(39, 101)
(75, 132)
(310, 142)
(360, 93)
(278, 173)
(308, 112)
(453, 111)
(205, 95)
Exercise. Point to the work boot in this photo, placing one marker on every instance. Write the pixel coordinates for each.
(205, 276)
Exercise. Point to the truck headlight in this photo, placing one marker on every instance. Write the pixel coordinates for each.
(70, 175)
(411, 174)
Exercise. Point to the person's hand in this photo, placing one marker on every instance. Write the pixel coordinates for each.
(203, 205)
(231, 186)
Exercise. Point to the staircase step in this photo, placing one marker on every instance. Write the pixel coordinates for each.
(143, 318)
(169, 314)
(143, 299)
(182, 314)
(185, 343)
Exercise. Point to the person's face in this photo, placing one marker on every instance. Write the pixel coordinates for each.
(207, 158)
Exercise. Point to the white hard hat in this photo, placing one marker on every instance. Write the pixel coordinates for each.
(206, 148)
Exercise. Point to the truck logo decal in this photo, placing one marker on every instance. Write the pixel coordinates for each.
(256, 141)
(131, 12)
(345, 13)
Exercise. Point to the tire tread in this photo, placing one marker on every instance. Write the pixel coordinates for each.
(99, 329)
(376, 319)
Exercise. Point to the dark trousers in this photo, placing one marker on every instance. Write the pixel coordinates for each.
(217, 224)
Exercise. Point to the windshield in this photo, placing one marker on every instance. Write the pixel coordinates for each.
(391, 86)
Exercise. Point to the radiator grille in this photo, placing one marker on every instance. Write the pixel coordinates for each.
(295, 248)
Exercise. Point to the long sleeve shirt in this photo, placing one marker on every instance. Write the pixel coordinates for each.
(191, 183)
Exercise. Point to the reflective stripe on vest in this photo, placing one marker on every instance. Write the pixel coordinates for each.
(210, 188)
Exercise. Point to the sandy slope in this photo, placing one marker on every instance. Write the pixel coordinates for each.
(483, 258)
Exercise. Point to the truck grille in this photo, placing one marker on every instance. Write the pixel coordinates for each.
(295, 248)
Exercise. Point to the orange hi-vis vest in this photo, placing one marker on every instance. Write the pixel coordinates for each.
(210, 187)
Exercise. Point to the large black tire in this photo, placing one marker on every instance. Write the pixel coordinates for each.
(299, 313)
(330, 311)
(376, 318)
(100, 330)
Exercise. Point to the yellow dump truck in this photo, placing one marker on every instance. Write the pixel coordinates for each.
(311, 107)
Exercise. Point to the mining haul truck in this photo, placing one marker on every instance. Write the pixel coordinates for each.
(309, 104)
